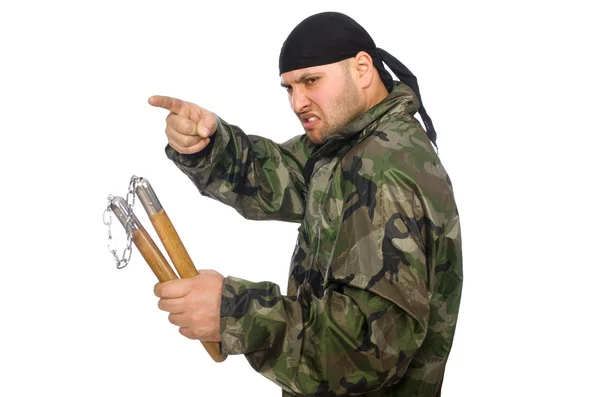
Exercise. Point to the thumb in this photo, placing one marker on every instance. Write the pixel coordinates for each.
(173, 288)
(207, 124)
(206, 272)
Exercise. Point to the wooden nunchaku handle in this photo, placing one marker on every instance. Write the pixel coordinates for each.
(153, 256)
(173, 244)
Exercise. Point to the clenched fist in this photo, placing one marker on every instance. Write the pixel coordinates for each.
(194, 304)
(189, 126)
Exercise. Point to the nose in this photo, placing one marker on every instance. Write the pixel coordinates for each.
(299, 100)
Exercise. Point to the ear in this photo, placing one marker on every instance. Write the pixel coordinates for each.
(365, 68)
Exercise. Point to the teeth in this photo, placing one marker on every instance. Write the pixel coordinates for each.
(313, 118)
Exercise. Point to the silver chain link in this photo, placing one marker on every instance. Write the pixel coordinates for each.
(107, 219)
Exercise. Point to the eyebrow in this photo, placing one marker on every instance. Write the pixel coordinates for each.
(300, 79)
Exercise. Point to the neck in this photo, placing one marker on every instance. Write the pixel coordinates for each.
(376, 95)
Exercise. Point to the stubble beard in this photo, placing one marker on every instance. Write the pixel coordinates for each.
(345, 108)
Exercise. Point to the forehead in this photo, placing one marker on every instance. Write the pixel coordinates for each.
(295, 76)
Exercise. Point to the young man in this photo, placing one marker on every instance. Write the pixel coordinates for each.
(375, 281)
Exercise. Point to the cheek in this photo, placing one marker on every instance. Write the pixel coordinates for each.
(324, 97)
(319, 99)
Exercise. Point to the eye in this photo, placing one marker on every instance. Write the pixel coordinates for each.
(288, 88)
(310, 80)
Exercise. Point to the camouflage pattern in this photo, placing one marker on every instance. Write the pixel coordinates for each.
(376, 275)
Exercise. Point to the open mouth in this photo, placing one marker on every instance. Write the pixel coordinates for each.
(309, 122)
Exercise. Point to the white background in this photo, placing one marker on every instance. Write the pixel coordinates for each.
(511, 88)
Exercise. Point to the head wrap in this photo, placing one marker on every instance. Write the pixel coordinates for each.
(331, 37)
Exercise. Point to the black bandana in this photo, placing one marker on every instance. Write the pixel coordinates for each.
(331, 37)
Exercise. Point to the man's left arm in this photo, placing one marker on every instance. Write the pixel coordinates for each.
(362, 333)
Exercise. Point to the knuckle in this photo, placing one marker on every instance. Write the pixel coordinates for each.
(158, 289)
(170, 132)
(173, 123)
(188, 141)
(185, 332)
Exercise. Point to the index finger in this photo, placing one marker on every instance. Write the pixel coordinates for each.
(166, 102)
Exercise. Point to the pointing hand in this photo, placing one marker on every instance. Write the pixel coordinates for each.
(189, 126)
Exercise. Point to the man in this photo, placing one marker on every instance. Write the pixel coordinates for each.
(376, 274)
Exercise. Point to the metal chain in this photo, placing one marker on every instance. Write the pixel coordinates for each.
(107, 219)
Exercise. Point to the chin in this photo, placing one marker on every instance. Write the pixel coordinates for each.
(316, 140)
(314, 137)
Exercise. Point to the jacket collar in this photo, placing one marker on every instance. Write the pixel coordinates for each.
(402, 100)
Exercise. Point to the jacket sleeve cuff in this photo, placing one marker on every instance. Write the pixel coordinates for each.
(240, 333)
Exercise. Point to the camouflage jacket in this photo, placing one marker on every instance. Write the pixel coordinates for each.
(376, 274)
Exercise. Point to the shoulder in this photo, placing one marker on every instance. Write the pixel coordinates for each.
(397, 152)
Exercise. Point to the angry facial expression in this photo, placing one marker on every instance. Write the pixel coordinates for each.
(325, 98)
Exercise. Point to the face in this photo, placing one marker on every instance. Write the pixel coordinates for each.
(325, 98)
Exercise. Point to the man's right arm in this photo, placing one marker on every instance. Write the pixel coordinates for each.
(257, 177)
(254, 175)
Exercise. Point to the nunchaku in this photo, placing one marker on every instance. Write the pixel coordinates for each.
(150, 252)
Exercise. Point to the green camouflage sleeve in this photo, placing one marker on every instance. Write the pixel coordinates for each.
(361, 335)
(257, 177)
